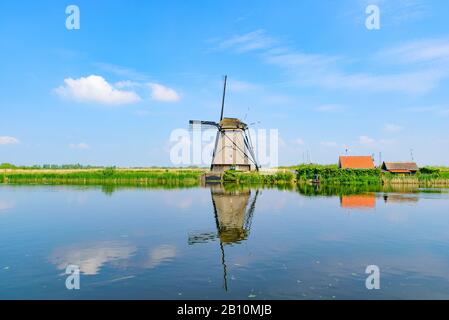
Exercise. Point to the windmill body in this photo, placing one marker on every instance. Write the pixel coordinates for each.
(231, 151)
(233, 148)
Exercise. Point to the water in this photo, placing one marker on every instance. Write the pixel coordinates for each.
(238, 243)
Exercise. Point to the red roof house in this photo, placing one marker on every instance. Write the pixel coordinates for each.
(356, 162)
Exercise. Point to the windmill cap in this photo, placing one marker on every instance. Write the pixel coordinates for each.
(232, 123)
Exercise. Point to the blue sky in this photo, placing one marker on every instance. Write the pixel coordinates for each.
(111, 92)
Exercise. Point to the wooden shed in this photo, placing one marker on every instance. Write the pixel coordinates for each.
(400, 167)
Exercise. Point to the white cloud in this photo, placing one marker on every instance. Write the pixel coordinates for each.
(366, 140)
(427, 50)
(121, 71)
(241, 86)
(79, 146)
(248, 42)
(298, 141)
(163, 93)
(126, 84)
(8, 140)
(95, 89)
(330, 71)
(328, 108)
(323, 71)
(391, 127)
(434, 110)
(331, 144)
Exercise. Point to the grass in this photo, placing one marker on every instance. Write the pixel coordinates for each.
(275, 178)
(113, 176)
(187, 177)
(331, 174)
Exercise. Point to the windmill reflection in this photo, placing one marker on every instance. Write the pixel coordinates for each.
(233, 212)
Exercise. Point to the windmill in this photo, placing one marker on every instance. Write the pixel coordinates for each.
(233, 146)
(233, 213)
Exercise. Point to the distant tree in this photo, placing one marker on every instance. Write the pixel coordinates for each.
(7, 166)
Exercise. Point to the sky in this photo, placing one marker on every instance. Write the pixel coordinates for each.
(113, 91)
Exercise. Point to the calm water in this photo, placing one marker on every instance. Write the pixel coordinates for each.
(209, 243)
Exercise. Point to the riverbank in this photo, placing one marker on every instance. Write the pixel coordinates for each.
(111, 176)
(141, 176)
(176, 177)
(332, 175)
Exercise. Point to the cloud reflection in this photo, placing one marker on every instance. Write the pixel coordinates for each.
(91, 257)
(6, 204)
(160, 254)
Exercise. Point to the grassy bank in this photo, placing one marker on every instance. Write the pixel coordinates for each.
(331, 174)
(112, 176)
(270, 178)
(172, 177)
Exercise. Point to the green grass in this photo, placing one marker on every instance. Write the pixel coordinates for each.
(104, 176)
(172, 177)
(331, 174)
(281, 177)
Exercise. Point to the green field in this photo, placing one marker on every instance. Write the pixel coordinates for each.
(144, 177)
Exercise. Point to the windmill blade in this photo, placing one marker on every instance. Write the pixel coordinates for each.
(246, 115)
(202, 237)
(249, 145)
(223, 99)
(199, 124)
(250, 212)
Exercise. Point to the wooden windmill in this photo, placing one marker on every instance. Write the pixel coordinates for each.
(233, 213)
(233, 147)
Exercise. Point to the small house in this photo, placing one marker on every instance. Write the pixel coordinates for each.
(404, 168)
(356, 162)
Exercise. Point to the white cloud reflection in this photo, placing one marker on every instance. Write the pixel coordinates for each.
(160, 254)
(91, 257)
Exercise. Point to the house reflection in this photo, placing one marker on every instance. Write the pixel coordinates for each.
(368, 200)
(358, 201)
(233, 209)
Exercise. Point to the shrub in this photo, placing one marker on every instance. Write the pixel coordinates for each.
(7, 166)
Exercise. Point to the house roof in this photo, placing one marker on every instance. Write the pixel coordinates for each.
(400, 166)
(356, 162)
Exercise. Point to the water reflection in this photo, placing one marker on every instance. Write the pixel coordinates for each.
(358, 201)
(6, 205)
(365, 196)
(91, 257)
(400, 198)
(233, 210)
(160, 254)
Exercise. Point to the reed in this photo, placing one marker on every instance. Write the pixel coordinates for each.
(275, 178)
(104, 176)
